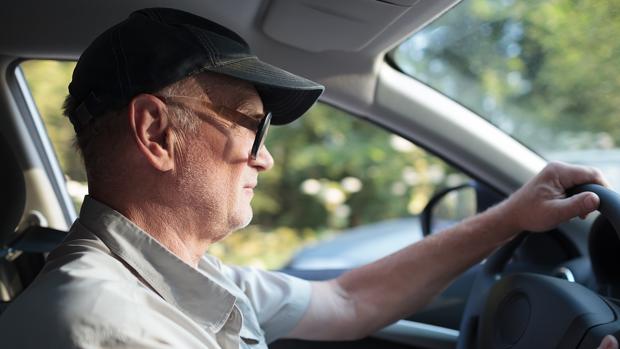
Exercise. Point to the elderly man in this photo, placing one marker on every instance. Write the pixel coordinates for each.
(170, 112)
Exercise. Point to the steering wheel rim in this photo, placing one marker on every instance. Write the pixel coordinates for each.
(494, 265)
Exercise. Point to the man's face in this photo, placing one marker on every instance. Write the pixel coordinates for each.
(217, 173)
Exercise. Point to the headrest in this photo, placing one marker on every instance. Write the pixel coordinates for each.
(12, 192)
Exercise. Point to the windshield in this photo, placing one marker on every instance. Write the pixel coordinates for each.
(546, 73)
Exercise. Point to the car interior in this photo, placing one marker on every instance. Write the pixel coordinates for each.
(545, 290)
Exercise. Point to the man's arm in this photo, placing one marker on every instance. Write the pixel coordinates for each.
(361, 301)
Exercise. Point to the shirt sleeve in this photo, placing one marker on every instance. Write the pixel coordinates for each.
(279, 300)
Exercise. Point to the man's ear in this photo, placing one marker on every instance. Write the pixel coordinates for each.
(150, 127)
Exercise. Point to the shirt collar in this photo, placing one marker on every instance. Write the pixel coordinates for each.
(181, 285)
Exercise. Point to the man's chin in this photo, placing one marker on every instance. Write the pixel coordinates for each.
(247, 221)
(243, 220)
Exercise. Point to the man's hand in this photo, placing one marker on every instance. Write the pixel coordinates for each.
(609, 342)
(541, 204)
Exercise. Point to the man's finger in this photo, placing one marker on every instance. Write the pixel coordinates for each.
(577, 205)
(609, 342)
(572, 175)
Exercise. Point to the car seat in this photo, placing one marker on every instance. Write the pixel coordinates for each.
(22, 251)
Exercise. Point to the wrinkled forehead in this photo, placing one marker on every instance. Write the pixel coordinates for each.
(232, 93)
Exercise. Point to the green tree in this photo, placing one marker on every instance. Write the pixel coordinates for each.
(545, 72)
(48, 81)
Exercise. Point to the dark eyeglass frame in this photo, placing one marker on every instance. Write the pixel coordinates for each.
(258, 125)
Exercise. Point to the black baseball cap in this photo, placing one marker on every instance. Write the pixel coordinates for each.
(156, 47)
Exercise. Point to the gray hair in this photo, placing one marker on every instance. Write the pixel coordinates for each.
(102, 137)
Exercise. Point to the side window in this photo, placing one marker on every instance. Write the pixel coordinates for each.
(342, 192)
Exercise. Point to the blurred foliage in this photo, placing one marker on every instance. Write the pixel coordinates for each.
(260, 248)
(545, 72)
(332, 172)
(48, 81)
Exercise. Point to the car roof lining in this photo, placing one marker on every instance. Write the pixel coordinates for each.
(63, 29)
(324, 25)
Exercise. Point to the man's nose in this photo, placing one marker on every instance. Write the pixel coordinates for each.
(263, 161)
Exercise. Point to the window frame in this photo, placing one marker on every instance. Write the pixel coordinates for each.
(37, 132)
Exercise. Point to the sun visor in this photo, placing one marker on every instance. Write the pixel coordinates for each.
(322, 25)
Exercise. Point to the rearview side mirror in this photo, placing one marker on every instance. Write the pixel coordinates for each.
(451, 205)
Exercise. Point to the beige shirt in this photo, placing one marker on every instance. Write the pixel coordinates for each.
(110, 285)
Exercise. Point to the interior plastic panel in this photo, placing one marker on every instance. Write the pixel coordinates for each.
(345, 25)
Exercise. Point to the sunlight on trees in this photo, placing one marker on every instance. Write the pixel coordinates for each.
(546, 73)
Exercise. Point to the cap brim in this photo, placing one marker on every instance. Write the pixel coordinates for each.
(287, 96)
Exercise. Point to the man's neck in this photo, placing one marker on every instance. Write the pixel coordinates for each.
(177, 229)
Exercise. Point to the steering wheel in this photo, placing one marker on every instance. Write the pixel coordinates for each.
(526, 310)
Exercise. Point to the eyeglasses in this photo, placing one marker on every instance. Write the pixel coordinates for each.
(259, 125)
